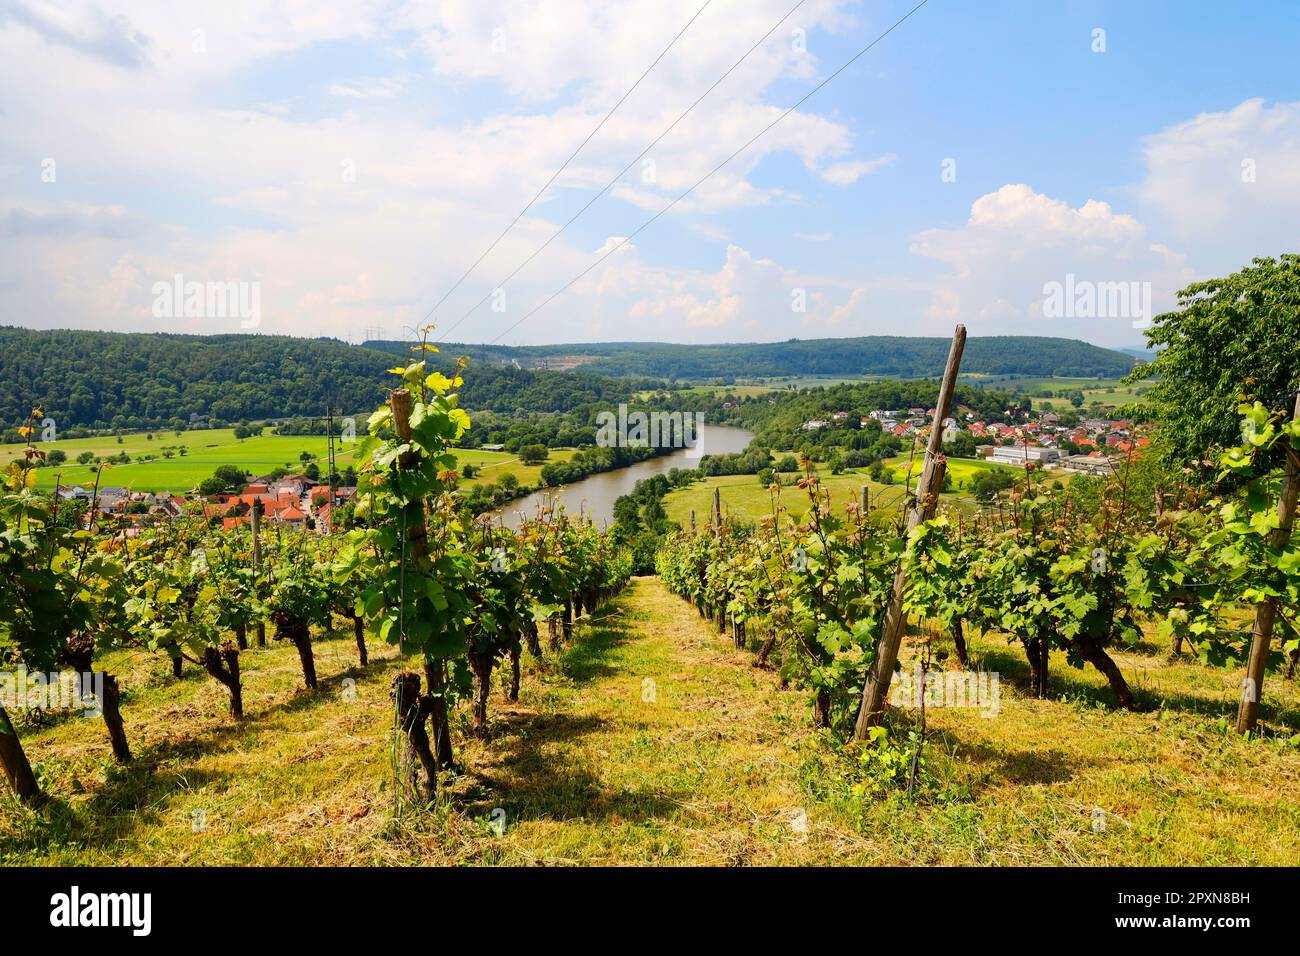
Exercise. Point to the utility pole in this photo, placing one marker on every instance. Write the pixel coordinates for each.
(876, 687)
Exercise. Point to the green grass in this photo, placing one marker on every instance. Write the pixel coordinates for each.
(207, 450)
(744, 498)
(962, 470)
(506, 462)
(714, 769)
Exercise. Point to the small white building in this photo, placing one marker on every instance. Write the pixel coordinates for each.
(1088, 464)
(1019, 454)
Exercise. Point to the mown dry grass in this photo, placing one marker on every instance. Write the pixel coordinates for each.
(719, 767)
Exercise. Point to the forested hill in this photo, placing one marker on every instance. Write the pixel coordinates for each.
(136, 380)
(870, 355)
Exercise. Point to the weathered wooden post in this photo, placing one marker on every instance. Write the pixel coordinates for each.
(881, 672)
(692, 521)
(717, 508)
(255, 521)
(1252, 688)
(417, 536)
(17, 769)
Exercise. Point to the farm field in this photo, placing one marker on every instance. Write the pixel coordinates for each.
(744, 498)
(963, 470)
(1108, 391)
(206, 450)
(496, 464)
(720, 768)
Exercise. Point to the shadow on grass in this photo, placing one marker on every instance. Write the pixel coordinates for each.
(1023, 766)
(541, 772)
(138, 793)
(589, 659)
(539, 779)
(1065, 681)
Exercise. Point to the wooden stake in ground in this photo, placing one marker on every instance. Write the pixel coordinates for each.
(17, 769)
(927, 496)
(716, 520)
(1252, 690)
(417, 536)
(255, 523)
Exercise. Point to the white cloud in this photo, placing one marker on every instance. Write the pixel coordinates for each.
(247, 180)
(848, 173)
(1228, 182)
(379, 89)
(1016, 241)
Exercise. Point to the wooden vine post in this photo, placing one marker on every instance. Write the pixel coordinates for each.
(417, 537)
(255, 524)
(1252, 688)
(17, 768)
(716, 520)
(876, 688)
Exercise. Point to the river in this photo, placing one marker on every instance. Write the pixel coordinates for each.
(595, 495)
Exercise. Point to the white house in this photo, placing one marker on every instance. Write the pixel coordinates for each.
(1019, 454)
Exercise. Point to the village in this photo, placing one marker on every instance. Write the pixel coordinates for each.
(296, 501)
(1084, 445)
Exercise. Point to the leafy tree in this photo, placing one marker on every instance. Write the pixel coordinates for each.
(1229, 337)
(987, 484)
(961, 446)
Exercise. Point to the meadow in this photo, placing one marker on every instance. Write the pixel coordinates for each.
(206, 450)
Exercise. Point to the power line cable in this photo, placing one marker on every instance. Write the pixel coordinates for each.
(621, 172)
(565, 165)
(709, 174)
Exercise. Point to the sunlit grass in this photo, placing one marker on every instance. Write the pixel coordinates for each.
(709, 763)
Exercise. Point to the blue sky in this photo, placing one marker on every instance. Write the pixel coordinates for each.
(352, 159)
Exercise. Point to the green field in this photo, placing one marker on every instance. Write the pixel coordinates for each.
(963, 470)
(743, 497)
(206, 450)
(1107, 391)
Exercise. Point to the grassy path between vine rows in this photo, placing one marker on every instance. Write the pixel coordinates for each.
(709, 764)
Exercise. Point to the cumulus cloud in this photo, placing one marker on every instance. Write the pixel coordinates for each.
(848, 173)
(1018, 241)
(89, 31)
(352, 218)
(1228, 182)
